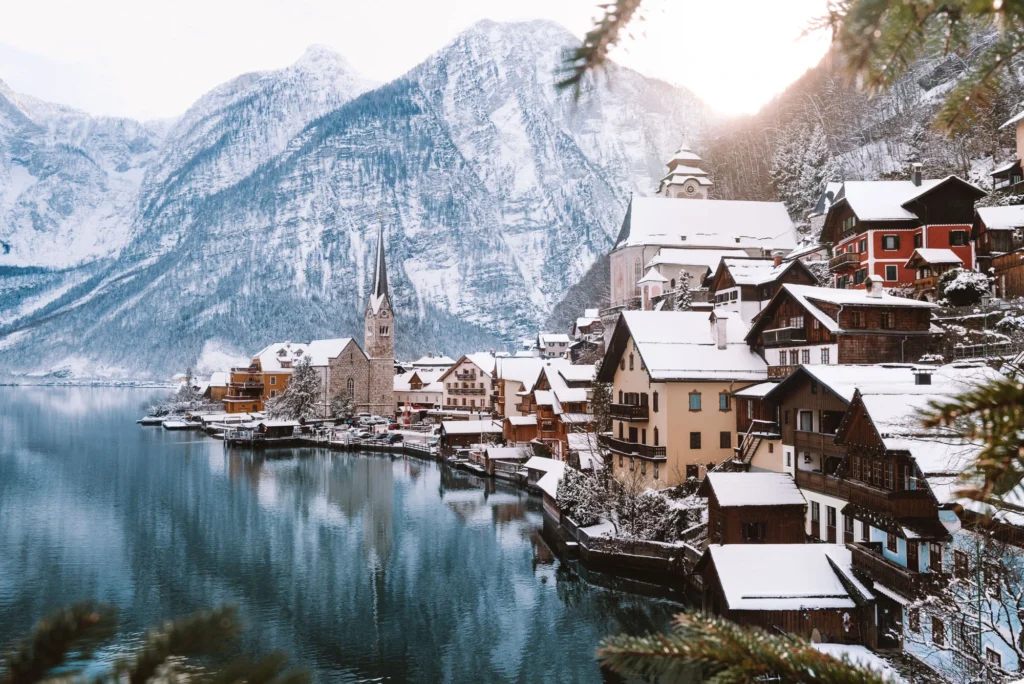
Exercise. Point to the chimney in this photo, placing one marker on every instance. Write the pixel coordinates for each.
(719, 331)
(915, 174)
(873, 287)
(922, 376)
(777, 257)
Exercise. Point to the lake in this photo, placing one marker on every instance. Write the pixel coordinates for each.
(360, 566)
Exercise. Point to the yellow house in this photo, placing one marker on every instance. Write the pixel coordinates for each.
(673, 374)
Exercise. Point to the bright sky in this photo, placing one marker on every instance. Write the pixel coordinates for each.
(150, 59)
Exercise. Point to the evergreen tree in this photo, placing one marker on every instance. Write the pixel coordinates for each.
(818, 169)
(787, 167)
(343, 406)
(684, 298)
(301, 401)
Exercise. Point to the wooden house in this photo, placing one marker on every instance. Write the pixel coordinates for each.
(757, 425)
(997, 231)
(519, 429)
(460, 434)
(745, 285)
(804, 325)
(875, 226)
(1009, 177)
(804, 590)
(753, 508)
(929, 264)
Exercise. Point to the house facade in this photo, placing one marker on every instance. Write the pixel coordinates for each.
(753, 508)
(875, 226)
(469, 385)
(672, 376)
(804, 325)
(418, 390)
(745, 286)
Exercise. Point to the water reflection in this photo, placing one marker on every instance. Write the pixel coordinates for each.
(361, 565)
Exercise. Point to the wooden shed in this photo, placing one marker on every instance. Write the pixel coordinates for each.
(754, 508)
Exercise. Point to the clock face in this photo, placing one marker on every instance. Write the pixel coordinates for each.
(690, 189)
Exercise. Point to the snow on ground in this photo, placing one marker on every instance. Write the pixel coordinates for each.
(218, 356)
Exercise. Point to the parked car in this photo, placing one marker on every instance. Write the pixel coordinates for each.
(381, 436)
(394, 426)
(396, 438)
(362, 434)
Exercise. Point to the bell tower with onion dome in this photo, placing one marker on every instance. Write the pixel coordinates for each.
(685, 178)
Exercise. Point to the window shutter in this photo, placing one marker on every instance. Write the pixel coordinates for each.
(897, 238)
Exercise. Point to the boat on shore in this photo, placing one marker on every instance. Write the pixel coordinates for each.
(151, 420)
(177, 424)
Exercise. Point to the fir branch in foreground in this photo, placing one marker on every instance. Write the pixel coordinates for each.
(55, 637)
(203, 633)
(597, 43)
(724, 652)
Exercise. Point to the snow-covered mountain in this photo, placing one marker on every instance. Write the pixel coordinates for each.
(254, 216)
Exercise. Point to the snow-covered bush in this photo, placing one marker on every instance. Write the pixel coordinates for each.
(964, 288)
(582, 496)
(343, 406)
(1011, 324)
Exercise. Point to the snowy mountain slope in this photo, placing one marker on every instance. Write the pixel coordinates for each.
(495, 191)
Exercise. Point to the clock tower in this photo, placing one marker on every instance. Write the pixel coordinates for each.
(379, 338)
(685, 179)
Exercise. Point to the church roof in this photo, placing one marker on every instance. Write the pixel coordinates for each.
(380, 275)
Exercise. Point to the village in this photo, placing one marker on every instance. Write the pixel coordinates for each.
(743, 399)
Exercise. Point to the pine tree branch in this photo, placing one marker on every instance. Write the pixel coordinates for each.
(722, 651)
(202, 633)
(55, 637)
(593, 53)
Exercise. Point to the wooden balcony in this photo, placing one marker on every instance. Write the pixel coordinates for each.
(630, 412)
(467, 390)
(245, 369)
(779, 372)
(845, 260)
(621, 446)
(906, 504)
(869, 561)
(818, 442)
(467, 377)
(927, 283)
(246, 385)
(781, 335)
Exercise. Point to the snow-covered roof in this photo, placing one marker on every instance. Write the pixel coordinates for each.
(806, 295)
(544, 464)
(519, 421)
(676, 256)
(429, 378)
(522, 369)
(429, 361)
(584, 321)
(683, 169)
(1002, 218)
(755, 391)
(781, 576)
(471, 427)
(544, 397)
(727, 224)
(885, 200)
(219, 379)
(1005, 167)
(755, 489)
(678, 345)
(861, 657)
(804, 250)
(577, 418)
(684, 154)
(583, 372)
(897, 379)
(319, 351)
(933, 255)
(554, 338)
(510, 453)
(755, 271)
(652, 276)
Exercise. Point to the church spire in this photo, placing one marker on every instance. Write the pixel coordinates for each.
(380, 275)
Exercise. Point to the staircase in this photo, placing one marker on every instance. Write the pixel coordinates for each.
(758, 431)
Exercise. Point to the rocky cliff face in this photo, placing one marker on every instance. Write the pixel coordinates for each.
(253, 216)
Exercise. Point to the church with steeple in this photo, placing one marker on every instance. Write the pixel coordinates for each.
(379, 338)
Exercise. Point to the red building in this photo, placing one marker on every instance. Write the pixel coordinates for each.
(875, 226)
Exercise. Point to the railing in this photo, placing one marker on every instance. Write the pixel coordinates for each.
(467, 390)
(245, 369)
(868, 559)
(844, 259)
(621, 446)
(630, 412)
(821, 442)
(246, 385)
(466, 376)
(981, 351)
(905, 504)
(779, 372)
(776, 335)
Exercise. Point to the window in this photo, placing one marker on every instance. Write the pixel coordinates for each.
(805, 356)
(695, 401)
(771, 445)
(755, 531)
(961, 564)
(863, 245)
(622, 363)
(620, 430)
(350, 387)
(865, 531)
(860, 276)
(938, 631)
(849, 222)
(723, 401)
(814, 386)
(632, 463)
(935, 557)
(620, 397)
(824, 355)
(848, 526)
(888, 320)
(914, 620)
(725, 440)
(655, 470)
(891, 542)
(806, 421)
(958, 238)
(384, 330)
(794, 356)
(891, 272)
(890, 242)
(643, 436)
(273, 393)
(815, 511)
(816, 324)
(856, 468)
(830, 516)
(273, 379)
(856, 319)
(655, 436)
(643, 467)
(993, 658)
(918, 241)
(888, 476)
(630, 362)
(782, 358)
(789, 461)
(654, 401)
(695, 440)
(691, 472)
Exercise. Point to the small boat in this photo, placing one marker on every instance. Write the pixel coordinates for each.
(151, 420)
(176, 424)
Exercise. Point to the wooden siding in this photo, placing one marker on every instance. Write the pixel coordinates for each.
(749, 409)
(782, 524)
(800, 397)
(1009, 273)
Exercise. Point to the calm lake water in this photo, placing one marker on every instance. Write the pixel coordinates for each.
(359, 566)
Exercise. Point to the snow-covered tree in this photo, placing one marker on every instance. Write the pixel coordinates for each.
(343, 406)
(786, 167)
(583, 496)
(684, 298)
(818, 168)
(964, 288)
(301, 400)
(600, 405)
